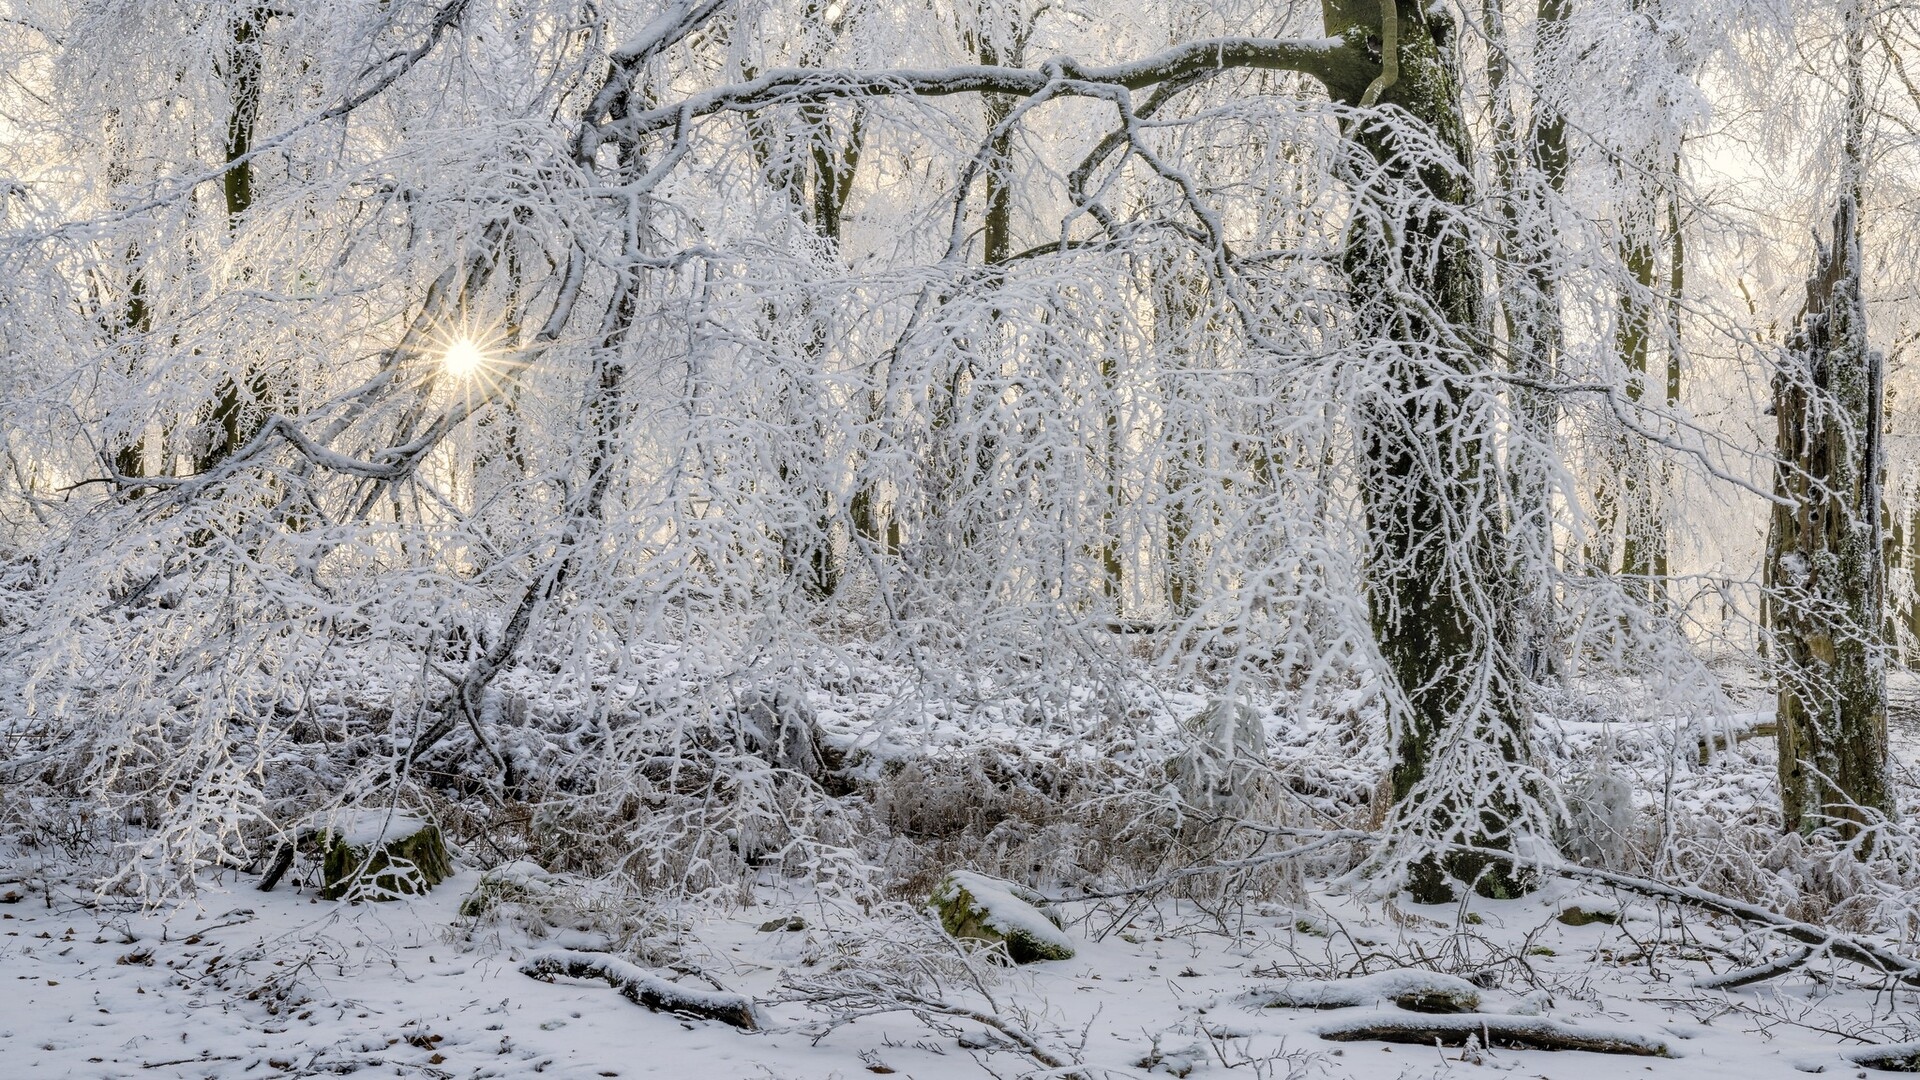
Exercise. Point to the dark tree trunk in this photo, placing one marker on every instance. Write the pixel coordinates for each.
(1416, 282)
(1824, 569)
(236, 413)
(1632, 506)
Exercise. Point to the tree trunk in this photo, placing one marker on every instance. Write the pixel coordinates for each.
(236, 415)
(1416, 282)
(1824, 567)
(1633, 505)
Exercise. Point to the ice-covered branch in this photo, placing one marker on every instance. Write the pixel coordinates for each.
(1312, 56)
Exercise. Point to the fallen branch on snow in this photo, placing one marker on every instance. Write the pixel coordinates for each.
(1864, 953)
(1758, 973)
(642, 988)
(870, 999)
(1494, 1031)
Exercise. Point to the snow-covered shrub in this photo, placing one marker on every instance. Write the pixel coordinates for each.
(519, 904)
(1600, 821)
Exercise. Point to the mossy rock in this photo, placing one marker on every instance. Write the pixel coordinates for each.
(980, 908)
(379, 855)
(1575, 915)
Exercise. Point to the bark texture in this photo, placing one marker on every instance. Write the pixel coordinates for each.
(1417, 283)
(1823, 569)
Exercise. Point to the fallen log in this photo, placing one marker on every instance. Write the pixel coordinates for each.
(642, 988)
(1408, 988)
(1492, 1031)
(1894, 1057)
(1747, 976)
(282, 862)
(1726, 739)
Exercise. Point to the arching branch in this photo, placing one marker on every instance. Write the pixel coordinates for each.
(1321, 58)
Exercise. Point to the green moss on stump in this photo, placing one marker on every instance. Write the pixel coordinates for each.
(980, 908)
(371, 855)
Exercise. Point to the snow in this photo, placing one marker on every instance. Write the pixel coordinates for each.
(277, 984)
(364, 826)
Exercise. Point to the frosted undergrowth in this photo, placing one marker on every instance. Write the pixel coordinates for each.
(1067, 787)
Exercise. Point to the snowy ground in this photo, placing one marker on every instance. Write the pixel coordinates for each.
(251, 984)
(260, 985)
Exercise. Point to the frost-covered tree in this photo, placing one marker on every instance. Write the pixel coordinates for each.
(1825, 562)
(518, 388)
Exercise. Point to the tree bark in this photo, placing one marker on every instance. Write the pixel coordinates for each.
(1824, 568)
(1631, 506)
(1416, 283)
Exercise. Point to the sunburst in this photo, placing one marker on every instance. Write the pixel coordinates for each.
(464, 359)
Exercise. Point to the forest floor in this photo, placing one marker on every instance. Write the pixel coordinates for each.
(281, 984)
(240, 983)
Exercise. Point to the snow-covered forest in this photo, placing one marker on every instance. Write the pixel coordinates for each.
(805, 538)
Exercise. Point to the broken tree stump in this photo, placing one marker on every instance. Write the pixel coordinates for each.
(378, 854)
